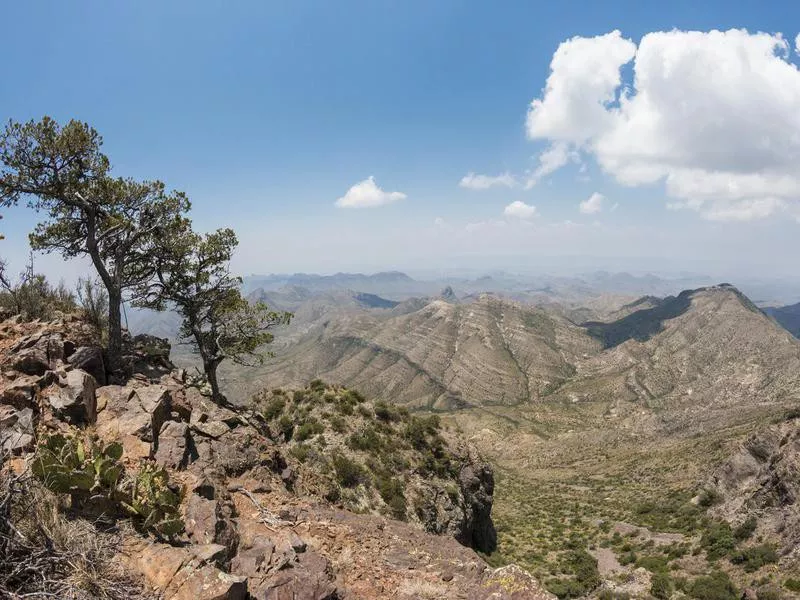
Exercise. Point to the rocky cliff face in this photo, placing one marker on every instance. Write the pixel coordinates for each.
(249, 528)
(762, 481)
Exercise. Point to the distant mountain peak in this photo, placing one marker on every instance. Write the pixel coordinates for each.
(448, 294)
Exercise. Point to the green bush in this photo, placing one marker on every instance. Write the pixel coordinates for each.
(337, 423)
(300, 452)
(752, 559)
(661, 586)
(769, 592)
(348, 472)
(791, 584)
(386, 413)
(718, 540)
(584, 566)
(709, 497)
(150, 500)
(654, 564)
(716, 586)
(317, 385)
(393, 493)
(308, 429)
(274, 408)
(745, 530)
(366, 440)
(286, 427)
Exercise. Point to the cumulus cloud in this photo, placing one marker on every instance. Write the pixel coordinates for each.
(367, 194)
(483, 182)
(592, 205)
(712, 115)
(520, 210)
(551, 160)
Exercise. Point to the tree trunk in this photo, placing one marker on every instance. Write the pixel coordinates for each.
(210, 367)
(114, 350)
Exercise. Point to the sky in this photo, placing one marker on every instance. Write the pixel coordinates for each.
(373, 135)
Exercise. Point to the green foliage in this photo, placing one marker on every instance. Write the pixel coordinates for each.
(300, 452)
(716, 586)
(385, 412)
(274, 408)
(718, 540)
(755, 557)
(348, 472)
(308, 429)
(32, 296)
(653, 563)
(286, 427)
(709, 497)
(193, 276)
(393, 493)
(150, 500)
(745, 530)
(367, 440)
(87, 469)
(661, 586)
(67, 464)
(317, 385)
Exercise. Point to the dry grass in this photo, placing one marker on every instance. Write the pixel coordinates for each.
(43, 554)
(420, 589)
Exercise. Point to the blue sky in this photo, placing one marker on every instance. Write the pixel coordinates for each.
(267, 113)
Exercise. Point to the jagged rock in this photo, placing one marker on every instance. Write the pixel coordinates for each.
(90, 359)
(32, 361)
(16, 429)
(77, 401)
(37, 353)
(173, 445)
(309, 578)
(22, 391)
(477, 486)
(156, 401)
(200, 517)
(123, 419)
(184, 574)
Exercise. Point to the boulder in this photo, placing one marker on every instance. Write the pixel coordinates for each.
(35, 354)
(77, 400)
(21, 392)
(156, 401)
(90, 359)
(31, 361)
(16, 429)
(477, 486)
(173, 445)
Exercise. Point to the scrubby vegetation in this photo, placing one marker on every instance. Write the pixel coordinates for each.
(368, 454)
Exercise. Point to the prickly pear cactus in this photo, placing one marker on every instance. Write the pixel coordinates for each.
(67, 464)
(149, 498)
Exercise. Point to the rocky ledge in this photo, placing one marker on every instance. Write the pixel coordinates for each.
(255, 519)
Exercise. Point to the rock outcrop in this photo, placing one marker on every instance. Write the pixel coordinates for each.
(249, 530)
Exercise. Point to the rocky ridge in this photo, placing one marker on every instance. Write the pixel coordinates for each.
(247, 532)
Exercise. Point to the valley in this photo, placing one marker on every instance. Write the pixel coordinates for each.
(605, 423)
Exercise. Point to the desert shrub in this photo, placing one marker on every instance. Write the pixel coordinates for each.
(709, 497)
(627, 558)
(613, 595)
(584, 566)
(366, 440)
(286, 427)
(300, 452)
(565, 588)
(299, 396)
(718, 540)
(745, 530)
(661, 586)
(393, 493)
(716, 586)
(308, 429)
(317, 385)
(654, 564)
(364, 410)
(348, 472)
(32, 296)
(791, 584)
(93, 301)
(386, 412)
(353, 396)
(337, 423)
(755, 557)
(274, 408)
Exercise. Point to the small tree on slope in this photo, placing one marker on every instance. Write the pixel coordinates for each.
(192, 274)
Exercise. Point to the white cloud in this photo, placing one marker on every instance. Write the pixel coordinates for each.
(520, 210)
(551, 160)
(592, 205)
(366, 194)
(797, 44)
(482, 182)
(713, 115)
(438, 221)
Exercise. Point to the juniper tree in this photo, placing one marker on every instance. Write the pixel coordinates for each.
(62, 172)
(192, 275)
